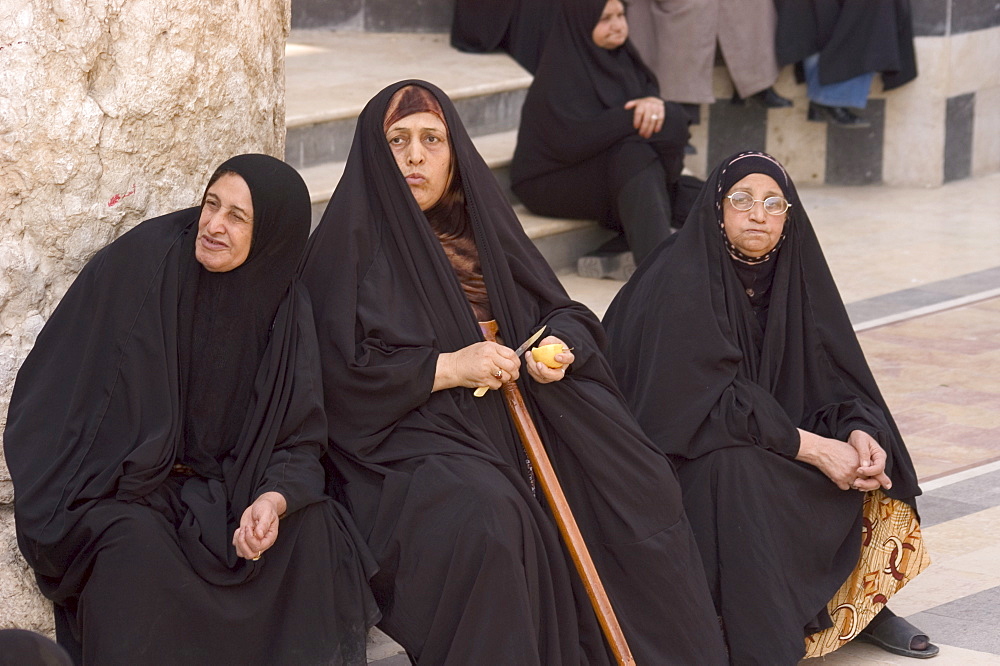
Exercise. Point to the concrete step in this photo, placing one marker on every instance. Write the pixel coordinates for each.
(384, 651)
(330, 76)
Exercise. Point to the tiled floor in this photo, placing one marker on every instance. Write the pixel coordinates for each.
(940, 374)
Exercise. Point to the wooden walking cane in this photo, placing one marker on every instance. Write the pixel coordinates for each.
(568, 528)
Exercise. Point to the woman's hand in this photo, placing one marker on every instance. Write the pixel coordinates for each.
(258, 528)
(647, 118)
(542, 373)
(871, 462)
(482, 364)
(837, 459)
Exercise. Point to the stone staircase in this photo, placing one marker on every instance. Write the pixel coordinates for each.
(330, 76)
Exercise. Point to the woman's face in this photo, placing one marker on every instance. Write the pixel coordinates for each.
(419, 142)
(225, 229)
(754, 232)
(612, 30)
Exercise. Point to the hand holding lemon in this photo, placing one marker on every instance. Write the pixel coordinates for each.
(549, 360)
(547, 354)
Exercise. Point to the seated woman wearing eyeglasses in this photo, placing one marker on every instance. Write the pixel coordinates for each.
(734, 350)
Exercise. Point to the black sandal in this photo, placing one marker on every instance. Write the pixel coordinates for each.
(896, 635)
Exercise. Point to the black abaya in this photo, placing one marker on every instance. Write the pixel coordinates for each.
(852, 37)
(723, 395)
(137, 558)
(519, 27)
(576, 145)
(471, 566)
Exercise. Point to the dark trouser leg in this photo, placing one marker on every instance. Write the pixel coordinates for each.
(643, 207)
(643, 173)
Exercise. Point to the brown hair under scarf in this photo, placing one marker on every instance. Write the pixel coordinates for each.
(448, 217)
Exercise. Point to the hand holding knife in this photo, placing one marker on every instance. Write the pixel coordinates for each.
(481, 391)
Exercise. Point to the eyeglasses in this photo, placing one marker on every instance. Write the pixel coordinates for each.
(744, 201)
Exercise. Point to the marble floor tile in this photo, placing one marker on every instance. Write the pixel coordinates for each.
(918, 419)
(882, 240)
(938, 585)
(935, 510)
(940, 376)
(971, 621)
(982, 491)
(963, 543)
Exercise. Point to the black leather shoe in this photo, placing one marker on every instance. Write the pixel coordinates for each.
(841, 116)
(767, 98)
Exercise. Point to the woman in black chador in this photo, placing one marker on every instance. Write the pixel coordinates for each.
(596, 141)
(733, 347)
(417, 245)
(167, 421)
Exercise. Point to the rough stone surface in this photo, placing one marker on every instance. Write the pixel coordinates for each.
(111, 112)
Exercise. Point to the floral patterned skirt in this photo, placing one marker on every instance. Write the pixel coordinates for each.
(892, 554)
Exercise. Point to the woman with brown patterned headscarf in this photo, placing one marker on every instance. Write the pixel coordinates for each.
(417, 246)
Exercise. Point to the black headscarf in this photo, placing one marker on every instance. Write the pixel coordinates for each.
(225, 318)
(733, 172)
(144, 341)
(387, 303)
(683, 345)
(574, 109)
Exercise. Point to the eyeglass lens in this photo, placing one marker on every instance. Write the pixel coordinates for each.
(773, 205)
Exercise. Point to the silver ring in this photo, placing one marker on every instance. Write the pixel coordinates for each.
(655, 117)
(498, 374)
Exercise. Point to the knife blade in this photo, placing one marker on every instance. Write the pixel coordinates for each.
(530, 341)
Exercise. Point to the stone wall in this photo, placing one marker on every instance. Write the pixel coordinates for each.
(112, 111)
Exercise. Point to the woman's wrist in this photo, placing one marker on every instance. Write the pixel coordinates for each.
(277, 500)
(808, 449)
(444, 372)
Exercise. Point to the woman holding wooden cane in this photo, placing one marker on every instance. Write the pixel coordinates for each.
(417, 245)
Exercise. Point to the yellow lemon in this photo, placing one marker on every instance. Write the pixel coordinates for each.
(546, 354)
